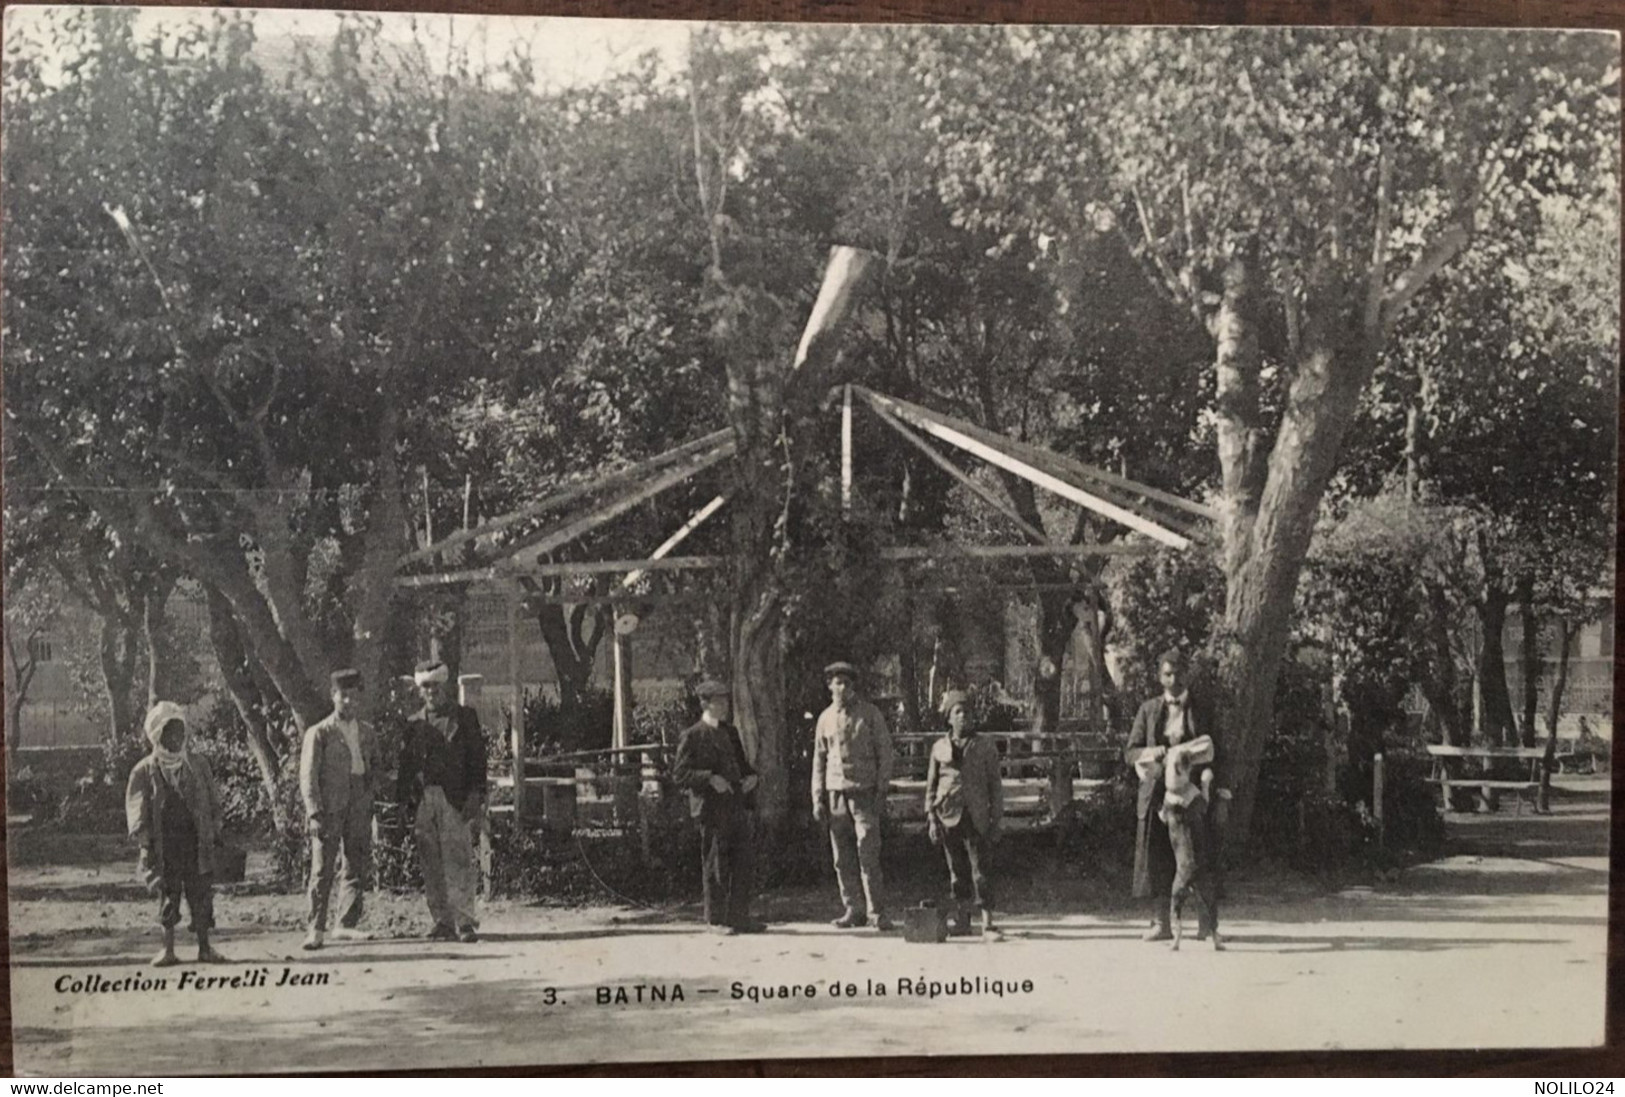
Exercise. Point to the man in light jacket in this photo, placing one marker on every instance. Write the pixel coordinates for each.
(338, 773)
(851, 774)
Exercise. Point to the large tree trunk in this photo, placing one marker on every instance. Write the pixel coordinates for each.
(117, 651)
(164, 676)
(283, 574)
(1103, 697)
(1530, 661)
(755, 628)
(373, 585)
(711, 638)
(265, 642)
(252, 706)
(1056, 622)
(1496, 699)
(909, 666)
(24, 665)
(572, 637)
(1265, 543)
(1440, 683)
(1554, 703)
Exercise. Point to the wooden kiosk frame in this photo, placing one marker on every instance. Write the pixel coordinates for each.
(565, 515)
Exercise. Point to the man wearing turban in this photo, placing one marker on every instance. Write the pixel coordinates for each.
(172, 806)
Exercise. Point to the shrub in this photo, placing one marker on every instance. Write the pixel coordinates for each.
(587, 866)
(1163, 600)
(663, 723)
(394, 853)
(550, 728)
(1099, 831)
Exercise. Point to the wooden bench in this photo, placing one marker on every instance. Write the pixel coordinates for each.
(1533, 757)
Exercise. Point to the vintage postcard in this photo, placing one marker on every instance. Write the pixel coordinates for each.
(546, 541)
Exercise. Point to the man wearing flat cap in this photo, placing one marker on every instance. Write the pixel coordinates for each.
(338, 770)
(721, 784)
(442, 780)
(851, 774)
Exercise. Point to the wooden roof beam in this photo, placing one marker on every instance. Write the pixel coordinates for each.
(981, 491)
(710, 563)
(1048, 480)
(570, 494)
(523, 556)
(677, 538)
(1059, 463)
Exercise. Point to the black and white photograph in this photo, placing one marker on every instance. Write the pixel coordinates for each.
(542, 541)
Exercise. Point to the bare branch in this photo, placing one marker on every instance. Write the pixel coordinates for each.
(263, 408)
(1152, 248)
(1377, 276)
(1438, 255)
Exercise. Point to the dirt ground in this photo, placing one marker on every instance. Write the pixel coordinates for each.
(1501, 943)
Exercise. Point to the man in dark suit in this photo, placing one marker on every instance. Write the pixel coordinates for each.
(721, 784)
(1173, 717)
(442, 782)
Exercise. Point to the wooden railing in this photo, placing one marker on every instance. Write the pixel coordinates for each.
(1531, 760)
(614, 786)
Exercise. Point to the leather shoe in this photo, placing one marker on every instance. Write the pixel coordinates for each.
(442, 932)
(849, 920)
(883, 923)
(467, 935)
(1159, 933)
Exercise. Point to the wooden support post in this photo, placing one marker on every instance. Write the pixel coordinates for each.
(624, 774)
(517, 734)
(846, 451)
(622, 646)
(1377, 795)
(1546, 763)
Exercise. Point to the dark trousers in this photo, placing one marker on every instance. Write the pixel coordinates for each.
(181, 878)
(728, 846)
(343, 850)
(967, 854)
(1159, 860)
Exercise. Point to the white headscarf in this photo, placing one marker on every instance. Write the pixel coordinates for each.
(158, 718)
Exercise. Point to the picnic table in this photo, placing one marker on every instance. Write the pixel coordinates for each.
(1536, 784)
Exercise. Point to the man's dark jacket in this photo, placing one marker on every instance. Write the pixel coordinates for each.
(702, 751)
(1150, 730)
(431, 756)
